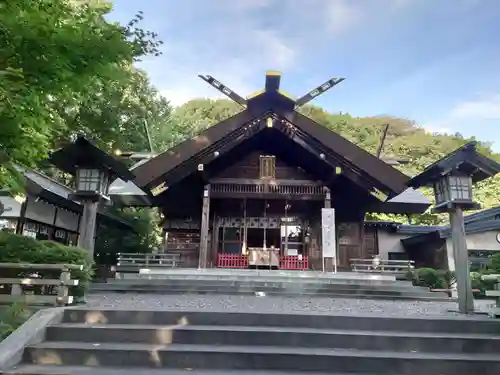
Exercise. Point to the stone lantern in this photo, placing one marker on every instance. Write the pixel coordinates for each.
(452, 178)
(93, 170)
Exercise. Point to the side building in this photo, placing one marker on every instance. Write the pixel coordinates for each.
(46, 212)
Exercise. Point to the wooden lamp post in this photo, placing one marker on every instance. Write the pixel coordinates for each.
(451, 178)
(93, 170)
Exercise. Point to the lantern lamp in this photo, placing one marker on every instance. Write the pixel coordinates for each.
(452, 178)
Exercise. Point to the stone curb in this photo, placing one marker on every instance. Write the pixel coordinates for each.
(30, 333)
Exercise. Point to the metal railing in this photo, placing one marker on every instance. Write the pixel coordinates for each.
(382, 266)
(134, 262)
(495, 310)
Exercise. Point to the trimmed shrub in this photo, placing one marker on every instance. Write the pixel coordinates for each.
(432, 278)
(21, 249)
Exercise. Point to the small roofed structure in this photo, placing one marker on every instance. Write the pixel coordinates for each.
(452, 178)
(94, 168)
(453, 175)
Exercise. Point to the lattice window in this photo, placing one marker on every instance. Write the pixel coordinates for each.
(267, 166)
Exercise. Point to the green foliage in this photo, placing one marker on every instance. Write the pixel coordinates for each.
(494, 265)
(20, 249)
(57, 58)
(11, 317)
(484, 285)
(432, 278)
(145, 236)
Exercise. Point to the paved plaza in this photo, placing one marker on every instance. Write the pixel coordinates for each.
(275, 304)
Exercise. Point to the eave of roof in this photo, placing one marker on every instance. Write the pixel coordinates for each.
(408, 202)
(475, 223)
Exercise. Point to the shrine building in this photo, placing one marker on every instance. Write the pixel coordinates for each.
(249, 191)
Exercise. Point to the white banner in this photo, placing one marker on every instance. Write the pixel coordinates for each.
(329, 246)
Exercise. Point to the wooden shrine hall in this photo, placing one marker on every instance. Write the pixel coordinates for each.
(249, 191)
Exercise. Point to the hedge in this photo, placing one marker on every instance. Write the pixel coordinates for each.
(21, 249)
(432, 278)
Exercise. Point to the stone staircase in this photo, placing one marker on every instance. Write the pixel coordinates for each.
(280, 283)
(166, 342)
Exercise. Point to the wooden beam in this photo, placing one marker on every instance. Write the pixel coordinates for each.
(205, 217)
(269, 196)
(224, 89)
(257, 181)
(273, 79)
(321, 89)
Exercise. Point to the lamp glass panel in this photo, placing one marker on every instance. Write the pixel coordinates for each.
(440, 191)
(460, 188)
(89, 180)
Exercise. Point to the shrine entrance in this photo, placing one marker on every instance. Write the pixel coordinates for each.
(270, 240)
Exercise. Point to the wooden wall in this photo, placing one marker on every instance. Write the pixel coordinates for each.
(249, 168)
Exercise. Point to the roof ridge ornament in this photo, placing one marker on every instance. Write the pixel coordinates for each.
(273, 80)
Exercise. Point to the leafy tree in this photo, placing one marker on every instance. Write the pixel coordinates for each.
(53, 55)
(145, 237)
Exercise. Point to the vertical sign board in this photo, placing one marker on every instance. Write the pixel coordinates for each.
(329, 246)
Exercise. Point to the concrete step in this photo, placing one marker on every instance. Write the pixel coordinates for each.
(276, 336)
(259, 358)
(89, 370)
(452, 325)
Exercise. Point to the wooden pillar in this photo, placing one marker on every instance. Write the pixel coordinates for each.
(215, 241)
(205, 217)
(21, 220)
(88, 224)
(328, 261)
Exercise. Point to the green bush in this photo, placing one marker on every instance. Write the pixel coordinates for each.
(12, 317)
(494, 265)
(432, 278)
(21, 249)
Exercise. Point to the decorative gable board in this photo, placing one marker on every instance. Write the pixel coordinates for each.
(249, 168)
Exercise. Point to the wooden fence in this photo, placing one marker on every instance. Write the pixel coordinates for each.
(34, 289)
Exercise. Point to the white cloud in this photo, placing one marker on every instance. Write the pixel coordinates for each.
(342, 15)
(484, 109)
(237, 41)
(468, 115)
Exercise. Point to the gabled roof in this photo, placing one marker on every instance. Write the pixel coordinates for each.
(84, 153)
(176, 163)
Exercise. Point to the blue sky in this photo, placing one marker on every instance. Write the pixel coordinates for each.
(436, 62)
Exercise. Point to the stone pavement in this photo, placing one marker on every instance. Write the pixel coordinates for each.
(276, 304)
